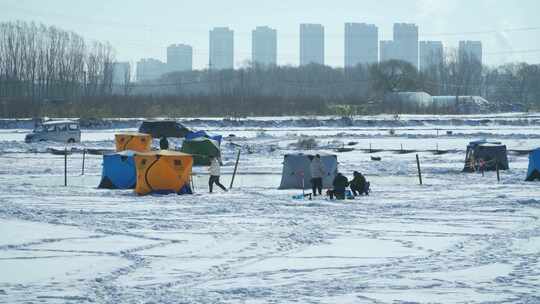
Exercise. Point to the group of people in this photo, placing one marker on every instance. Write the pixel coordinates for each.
(358, 184)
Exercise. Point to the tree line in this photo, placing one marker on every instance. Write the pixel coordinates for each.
(45, 71)
(42, 64)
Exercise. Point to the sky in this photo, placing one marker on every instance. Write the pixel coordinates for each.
(509, 29)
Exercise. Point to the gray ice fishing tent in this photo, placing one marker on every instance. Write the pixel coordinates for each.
(297, 168)
(490, 155)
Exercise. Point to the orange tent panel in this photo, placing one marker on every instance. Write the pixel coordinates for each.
(138, 142)
(163, 172)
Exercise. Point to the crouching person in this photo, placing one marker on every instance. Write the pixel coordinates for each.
(359, 185)
(340, 184)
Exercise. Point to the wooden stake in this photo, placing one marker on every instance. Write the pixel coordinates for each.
(65, 167)
(419, 170)
(498, 174)
(235, 168)
(83, 158)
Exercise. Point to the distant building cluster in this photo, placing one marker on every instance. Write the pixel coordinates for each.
(362, 46)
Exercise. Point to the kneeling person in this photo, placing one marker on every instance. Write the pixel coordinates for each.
(340, 184)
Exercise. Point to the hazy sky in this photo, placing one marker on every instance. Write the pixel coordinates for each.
(143, 28)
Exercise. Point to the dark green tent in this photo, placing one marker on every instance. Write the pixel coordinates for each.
(202, 149)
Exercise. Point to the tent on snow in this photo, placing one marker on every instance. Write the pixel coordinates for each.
(533, 173)
(160, 128)
(138, 142)
(163, 172)
(491, 154)
(202, 149)
(201, 133)
(297, 170)
(118, 171)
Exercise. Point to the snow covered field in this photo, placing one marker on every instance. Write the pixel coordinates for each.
(459, 238)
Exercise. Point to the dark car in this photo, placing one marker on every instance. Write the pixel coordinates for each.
(160, 128)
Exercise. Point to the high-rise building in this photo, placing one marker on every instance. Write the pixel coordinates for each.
(264, 46)
(361, 44)
(221, 48)
(471, 49)
(431, 54)
(150, 69)
(179, 57)
(406, 40)
(388, 50)
(121, 73)
(311, 44)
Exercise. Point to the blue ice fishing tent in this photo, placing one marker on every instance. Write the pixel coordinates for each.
(119, 171)
(196, 134)
(534, 165)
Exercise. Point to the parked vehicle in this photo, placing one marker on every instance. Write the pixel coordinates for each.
(67, 131)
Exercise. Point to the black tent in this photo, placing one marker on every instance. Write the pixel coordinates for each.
(485, 155)
(160, 128)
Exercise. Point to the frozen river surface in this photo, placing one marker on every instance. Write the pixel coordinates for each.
(459, 238)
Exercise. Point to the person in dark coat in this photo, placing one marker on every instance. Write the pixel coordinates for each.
(164, 143)
(340, 184)
(358, 184)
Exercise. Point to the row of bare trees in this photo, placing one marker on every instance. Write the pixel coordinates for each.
(45, 69)
(42, 64)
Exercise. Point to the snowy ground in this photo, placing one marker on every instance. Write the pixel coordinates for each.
(459, 238)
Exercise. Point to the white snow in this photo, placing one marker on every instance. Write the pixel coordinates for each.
(459, 238)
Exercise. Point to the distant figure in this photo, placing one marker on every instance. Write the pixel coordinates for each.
(164, 143)
(215, 168)
(317, 173)
(358, 184)
(340, 183)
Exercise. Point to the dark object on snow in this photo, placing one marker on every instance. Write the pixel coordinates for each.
(358, 184)
(163, 128)
(449, 132)
(340, 183)
(344, 149)
(163, 143)
(533, 173)
(352, 143)
(376, 158)
(485, 156)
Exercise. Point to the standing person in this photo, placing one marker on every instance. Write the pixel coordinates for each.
(340, 183)
(164, 143)
(358, 184)
(317, 173)
(215, 170)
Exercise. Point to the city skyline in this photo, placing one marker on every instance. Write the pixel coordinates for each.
(361, 46)
(509, 32)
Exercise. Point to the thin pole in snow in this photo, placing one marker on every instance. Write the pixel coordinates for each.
(65, 167)
(419, 170)
(498, 174)
(83, 158)
(235, 168)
